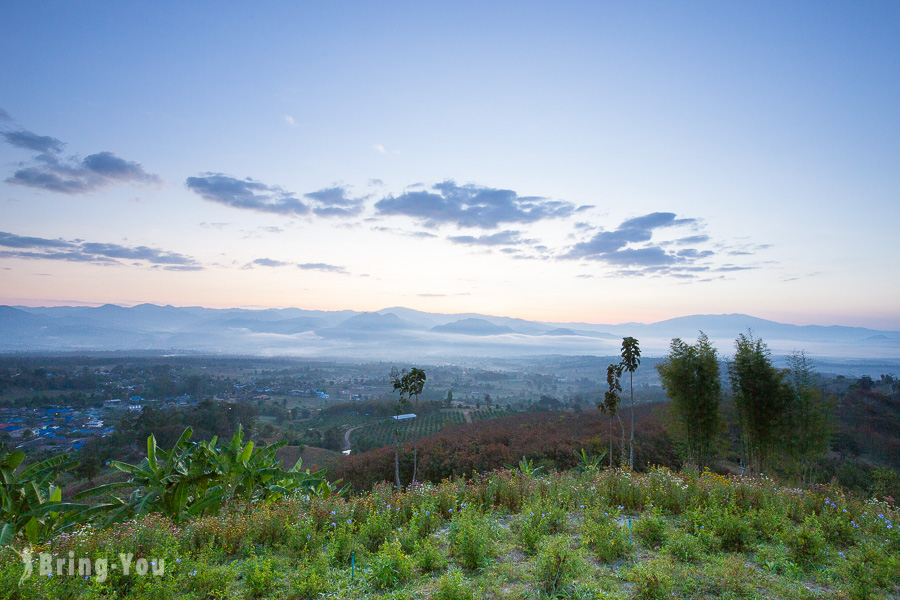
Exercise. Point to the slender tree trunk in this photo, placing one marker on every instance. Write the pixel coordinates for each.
(631, 441)
(610, 442)
(415, 441)
(622, 427)
(397, 460)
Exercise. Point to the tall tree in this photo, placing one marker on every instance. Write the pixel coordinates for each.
(690, 378)
(631, 358)
(610, 404)
(809, 415)
(409, 384)
(760, 397)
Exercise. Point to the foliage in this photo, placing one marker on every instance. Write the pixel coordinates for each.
(690, 377)
(631, 359)
(408, 383)
(809, 415)
(30, 501)
(196, 478)
(557, 564)
(391, 566)
(606, 539)
(610, 403)
(761, 399)
(453, 540)
(472, 538)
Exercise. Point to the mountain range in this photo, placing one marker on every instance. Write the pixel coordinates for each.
(397, 333)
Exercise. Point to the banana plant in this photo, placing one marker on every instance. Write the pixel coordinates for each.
(165, 482)
(31, 504)
(197, 478)
(588, 462)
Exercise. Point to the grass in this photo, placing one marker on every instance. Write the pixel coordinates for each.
(609, 534)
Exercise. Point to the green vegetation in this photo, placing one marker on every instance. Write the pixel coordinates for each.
(690, 377)
(506, 534)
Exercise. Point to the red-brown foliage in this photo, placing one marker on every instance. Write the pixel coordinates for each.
(546, 438)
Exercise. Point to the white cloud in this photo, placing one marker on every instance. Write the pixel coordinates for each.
(290, 120)
(379, 149)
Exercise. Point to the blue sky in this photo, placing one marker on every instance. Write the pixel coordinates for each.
(599, 162)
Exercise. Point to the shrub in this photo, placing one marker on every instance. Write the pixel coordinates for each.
(604, 536)
(210, 581)
(684, 547)
(259, 576)
(650, 530)
(342, 544)
(557, 564)
(651, 579)
(452, 585)
(868, 568)
(538, 519)
(310, 579)
(806, 543)
(429, 556)
(471, 538)
(775, 559)
(390, 566)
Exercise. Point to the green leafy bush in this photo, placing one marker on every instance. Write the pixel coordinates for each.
(806, 543)
(429, 556)
(538, 519)
(606, 539)
(557, 564)
(259, 576)
(684, 547)
(472, 537)
(390, 566)
(651, 579)
(452, 585)
(650, 530)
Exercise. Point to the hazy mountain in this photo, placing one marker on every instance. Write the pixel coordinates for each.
(473, 327)
(400, 333)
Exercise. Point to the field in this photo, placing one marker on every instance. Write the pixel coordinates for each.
(505, 534)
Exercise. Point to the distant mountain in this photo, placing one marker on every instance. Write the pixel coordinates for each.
(374, 321)
(472, 327)
(400, 333)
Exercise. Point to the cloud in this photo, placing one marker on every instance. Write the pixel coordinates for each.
(249, 194)
(631, 249)
(4, 116)
(101, 253)
(502, 238)
(638, 229)
(334, 202)
(269, 262)
(17, 241)
(266, 262)
(290, 120)
(32, 141)
(379, 148)
(471, 206)
(322, 267)
(246, 193)
(151, 255)
(50, 171)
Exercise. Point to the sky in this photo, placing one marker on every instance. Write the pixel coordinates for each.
(601, 162)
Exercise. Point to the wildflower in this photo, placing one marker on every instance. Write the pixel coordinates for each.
(841, 554)
(333, 524)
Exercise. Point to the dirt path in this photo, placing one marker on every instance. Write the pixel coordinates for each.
(347, 433)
